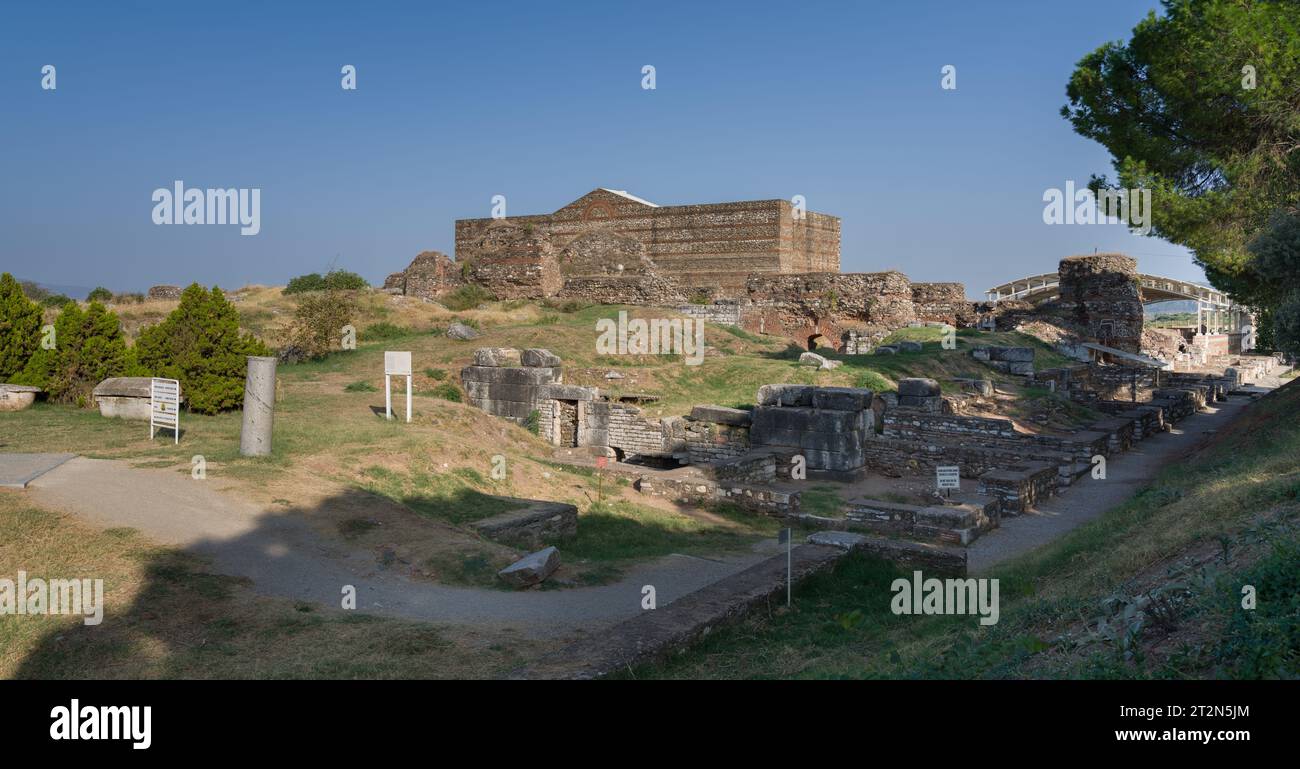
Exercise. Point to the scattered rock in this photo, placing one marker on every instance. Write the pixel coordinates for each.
(910, 347)
(813, 359)
(885, 349)
(461, 331)
(531, 569)
(613, 375)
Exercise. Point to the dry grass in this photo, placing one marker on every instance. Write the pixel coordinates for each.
(165, 616)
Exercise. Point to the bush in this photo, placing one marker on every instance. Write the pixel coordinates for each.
(447, 391)
(334, 280)
(466, 297)
(385, 330)
(57, 300)
(99, 294)
(33, 291)
(200, 344)
(436, 374)
(20, 327)
(132, 297)
(88, 348)
(533, 422)
(318, 322)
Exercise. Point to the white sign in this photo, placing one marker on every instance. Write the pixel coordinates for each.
(396, 364)
(948, 476)
(165, 406)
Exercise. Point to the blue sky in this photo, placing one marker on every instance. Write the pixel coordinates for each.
(541, 102)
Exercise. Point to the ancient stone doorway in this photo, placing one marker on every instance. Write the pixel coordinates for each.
(568, 419)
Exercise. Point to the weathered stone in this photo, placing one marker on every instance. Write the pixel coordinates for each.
(461, 331)
(843, 540)
(531, 569)
(165, 292)
(885, 349)
(125, 397)
(496, 357)
(540, 357)
(812, 359)
(910, 347)
(842, 398)
(15, 397)
(534, 526)
(722, 415)
(784, 395)
(918, 387)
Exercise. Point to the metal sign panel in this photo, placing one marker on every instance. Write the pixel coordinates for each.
(948, 476)
(165, 406)
(397, 363)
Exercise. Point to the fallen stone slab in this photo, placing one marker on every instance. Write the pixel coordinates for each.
(532, 568)
(497, 357)
(540, 358)
(917, 387)
(461, 331)
(722, 415)
(533, 526)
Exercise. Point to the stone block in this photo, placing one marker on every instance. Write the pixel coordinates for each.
(918, 387)
(722, 415)
(531, 569)
(461, 331)
(785, 395)
(496, 357)
(842, 398)
(910, 347)
(538, 357)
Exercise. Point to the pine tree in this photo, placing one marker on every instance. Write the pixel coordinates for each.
(200, 345)
(20, 327)
(88, 348)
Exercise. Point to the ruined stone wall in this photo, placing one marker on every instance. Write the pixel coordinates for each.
(605, 233)
(827, 425)
(724, 313)
(1101, 294)
(429, 274)
(942, 302)
(649, 289)
(873, 304)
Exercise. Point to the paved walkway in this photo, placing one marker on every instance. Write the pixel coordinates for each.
(18, 470)
(283, 556)
(1087, 498)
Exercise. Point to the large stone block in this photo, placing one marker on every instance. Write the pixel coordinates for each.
(722, 415)
(496, 357)
(785, 395)
(842, 398)
(538, 357)
(918, 387)
(532, 568)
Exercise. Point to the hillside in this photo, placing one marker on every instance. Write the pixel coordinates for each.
(1152, 589)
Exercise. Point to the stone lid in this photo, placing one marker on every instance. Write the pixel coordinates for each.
(124, 387)
(17, 388)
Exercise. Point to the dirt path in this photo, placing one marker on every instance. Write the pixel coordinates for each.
(1088, 498)
(283, 556)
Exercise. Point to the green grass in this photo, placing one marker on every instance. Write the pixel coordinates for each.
(454, 497)
(361, 386)
(619, 531)
(1241, 493)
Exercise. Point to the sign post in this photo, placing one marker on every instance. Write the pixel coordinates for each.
(396, 364)
(947, 477)
(165, 406)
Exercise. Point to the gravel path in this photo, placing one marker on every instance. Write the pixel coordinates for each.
(283, 556)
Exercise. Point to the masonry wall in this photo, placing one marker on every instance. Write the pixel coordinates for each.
(1100, 293)
(810, 304)
(713, 245)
